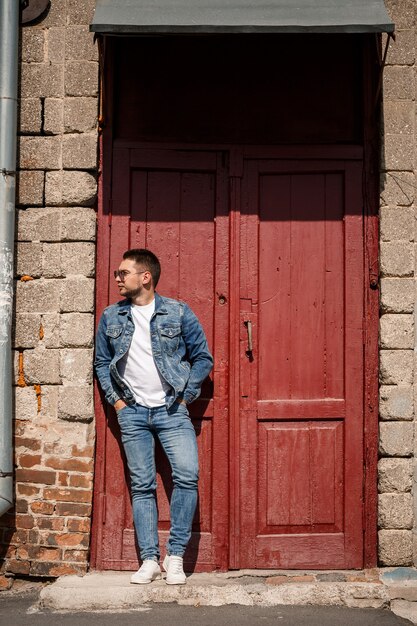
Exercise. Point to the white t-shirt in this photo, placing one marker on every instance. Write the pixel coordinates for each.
(137, 367)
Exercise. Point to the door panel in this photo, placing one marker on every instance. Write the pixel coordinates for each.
(301, 407)
(175, 203)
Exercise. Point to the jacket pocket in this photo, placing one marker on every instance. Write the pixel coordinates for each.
(170, 338)
(114, 331)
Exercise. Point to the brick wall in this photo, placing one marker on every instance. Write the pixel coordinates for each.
(47, 534)
(396, 510)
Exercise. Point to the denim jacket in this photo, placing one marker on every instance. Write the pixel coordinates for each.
(179, 349)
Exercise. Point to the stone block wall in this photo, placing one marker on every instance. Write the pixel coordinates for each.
(48, 532)
(396, 468)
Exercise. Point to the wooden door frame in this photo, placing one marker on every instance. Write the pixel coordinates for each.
(370, 158)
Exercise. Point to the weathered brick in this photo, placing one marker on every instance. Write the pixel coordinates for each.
(77, 330)
(79, 151)
(83, 451)
(77, 294)
(80, 114)
(51, 523)
(75, 555)
(83, 482)
(30, 187)
(28, 259)
(30, 116)
(32, 45)
(81, 78)
(398, 117)
(76, 403)
(26, 443)
(397, 188)
(68, 495)
(397, 295)
(397, 224)
(79, 525)
(6, 582)
(76, 366)
(21, 506)
(43, 553)
(24, 521)
(18, 567)
(63, 479)
(395, 510)
(396, 367)
(80, 11)
(396, 439)
(28, 490)
(398, 152)
(397, 331)
(397, 258)
(53, 116)
(42, 366)
(40, 153)
(35, 476)
(396, 403)
(70, 465)
(42, 508)
(67, 570)
(56, 39)
(402, 51)
(398, 83)
(26, 330)
(28, 460)
(25, 402)
(71, 539)
(73, 509)
(42, 80)
(70, 188)
(395, 547)
(79, 44)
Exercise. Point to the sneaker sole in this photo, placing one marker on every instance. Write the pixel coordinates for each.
(146, 582)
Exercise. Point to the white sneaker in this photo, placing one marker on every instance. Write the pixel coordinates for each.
(174, 569)
(148, 571)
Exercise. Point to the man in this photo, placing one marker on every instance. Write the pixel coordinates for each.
(151, 360)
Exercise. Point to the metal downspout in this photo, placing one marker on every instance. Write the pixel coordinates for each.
(9, 44)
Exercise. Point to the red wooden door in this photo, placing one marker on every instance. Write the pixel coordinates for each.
(175, 204)
(301, 390)
(279, 428)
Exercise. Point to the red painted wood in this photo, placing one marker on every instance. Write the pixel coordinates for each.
(170, 202)
(303, 282)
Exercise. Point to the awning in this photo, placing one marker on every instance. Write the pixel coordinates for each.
(240, 16)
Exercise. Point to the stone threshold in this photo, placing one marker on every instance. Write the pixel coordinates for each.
(391, 588)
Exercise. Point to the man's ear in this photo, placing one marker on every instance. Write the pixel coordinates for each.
(147, 278)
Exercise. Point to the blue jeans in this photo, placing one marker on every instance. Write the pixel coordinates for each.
(139, 425)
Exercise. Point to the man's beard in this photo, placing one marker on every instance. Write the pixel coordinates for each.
(132, 293)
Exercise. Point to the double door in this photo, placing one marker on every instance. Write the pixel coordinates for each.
(267, 249)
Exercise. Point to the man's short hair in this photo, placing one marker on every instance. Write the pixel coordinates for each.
(147, 259)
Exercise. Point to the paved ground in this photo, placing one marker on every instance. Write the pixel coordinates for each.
(16, 610)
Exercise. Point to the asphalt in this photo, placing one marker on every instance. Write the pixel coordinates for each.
(378, 596)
